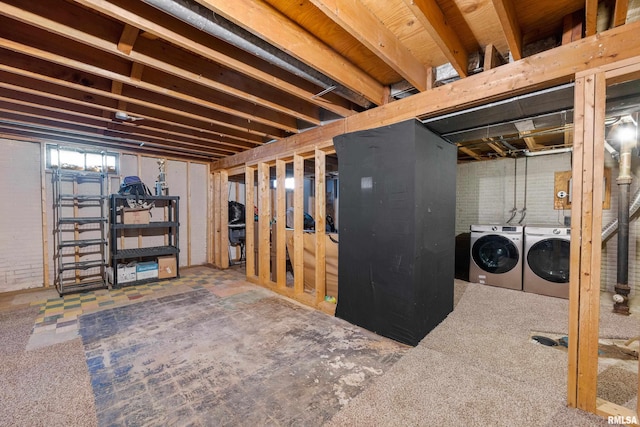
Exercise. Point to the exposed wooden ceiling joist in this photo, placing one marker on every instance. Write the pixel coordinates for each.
(358, 21)
(265, 22)
(431, 17)
(507, 14)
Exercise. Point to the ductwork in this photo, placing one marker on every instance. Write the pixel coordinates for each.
(207, 21)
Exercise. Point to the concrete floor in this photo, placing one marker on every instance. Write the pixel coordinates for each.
(208, 349)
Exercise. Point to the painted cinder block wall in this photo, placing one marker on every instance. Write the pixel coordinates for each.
(22, 263)
(488, 191)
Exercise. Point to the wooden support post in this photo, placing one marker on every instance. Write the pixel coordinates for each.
(249, 192)
(298, 225)
(210, 210)
(586, 225)
(264, 219)
(217, 246)
(281, 222)
(188, 215)
(224, 219)
(321, 209)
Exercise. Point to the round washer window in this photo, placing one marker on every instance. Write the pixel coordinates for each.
(549, 259)
(495, 254)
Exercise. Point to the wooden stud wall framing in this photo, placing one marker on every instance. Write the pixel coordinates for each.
(586, 220)
(298, 225)
(264, 219)
(43, 207)
(249, 191)
(217, 246)
(321, 194)
(281, 222)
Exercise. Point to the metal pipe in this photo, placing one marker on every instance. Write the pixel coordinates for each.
(207, 21)
(621, 305)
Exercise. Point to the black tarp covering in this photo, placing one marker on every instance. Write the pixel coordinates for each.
(397, 230)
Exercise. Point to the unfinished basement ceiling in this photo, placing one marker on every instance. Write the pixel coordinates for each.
(208, 79)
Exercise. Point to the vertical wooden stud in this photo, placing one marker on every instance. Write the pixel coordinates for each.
(217, 247)
(264, 219)
(321, 209)
(188, 213)
(224, 219)
(586, 225)
(281, 221)
(249, 191)
(210, 210)
(298, 224)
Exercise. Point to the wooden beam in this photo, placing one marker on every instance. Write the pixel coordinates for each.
(510, 26)
(586, 225)
(495, 147)
(281, 222)
(262, 20)
(188, 215)
(264, 223)
(543, 70)
(355, 18)
(237, 120)
(217, 81)
(590, 17)
(136, 72)
(217, 222)
(298, 224)
(470, 152)
(224, 219)
(320, 218)
(620, 13)
(572, 27)
(43, 215)
(250, 231)
(492, 58)
(435, 23)
(128, 39)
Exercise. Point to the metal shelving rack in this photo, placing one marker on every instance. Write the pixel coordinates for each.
(80, 229)
(169, 227)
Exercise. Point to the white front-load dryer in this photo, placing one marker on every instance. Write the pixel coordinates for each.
(546, 269)
(496, 255)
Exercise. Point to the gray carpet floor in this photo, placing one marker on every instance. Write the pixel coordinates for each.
(478, 367)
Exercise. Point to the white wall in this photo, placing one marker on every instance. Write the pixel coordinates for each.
(21, 241)
(21, 261)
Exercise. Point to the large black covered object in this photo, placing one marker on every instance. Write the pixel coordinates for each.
(397, 230)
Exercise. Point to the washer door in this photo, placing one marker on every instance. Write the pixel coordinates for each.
(549, 259)
(495, 254)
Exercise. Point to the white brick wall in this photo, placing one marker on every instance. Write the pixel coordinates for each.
(485, 194)
(21, 262)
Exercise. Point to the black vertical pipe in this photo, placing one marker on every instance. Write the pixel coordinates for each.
(623, 235)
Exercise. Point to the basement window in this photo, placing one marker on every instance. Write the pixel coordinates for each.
(81, 160)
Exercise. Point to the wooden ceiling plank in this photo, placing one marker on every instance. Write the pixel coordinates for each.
(620, 13)
(509, 21)
(590, 17)
(357, 20)
(252, 122)
(108, 46)
(431, 17)
(128, 38)
(267, 23)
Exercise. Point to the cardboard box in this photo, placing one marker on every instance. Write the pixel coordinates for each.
(146, 270)
(126, 273)
(167, 267)
(135, 216)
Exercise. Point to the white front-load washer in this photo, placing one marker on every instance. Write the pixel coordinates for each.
(496, 255)
(546, 269)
